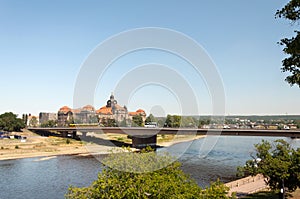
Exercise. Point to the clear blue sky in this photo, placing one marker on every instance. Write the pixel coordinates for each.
(44, 43)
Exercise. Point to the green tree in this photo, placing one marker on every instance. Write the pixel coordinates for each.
(203, 122)
(155, 176)
(280, 164)
(123, 123)
(111, 123)
(33, 122)
(137, 120)
(216, 190)
(10, 122)
(173, 121)
(291, 11)
(25, 118)
(150, 118)
(161, 122)
(49, 123)
(188, 121)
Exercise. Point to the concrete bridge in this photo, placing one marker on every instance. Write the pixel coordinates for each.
(142, 136)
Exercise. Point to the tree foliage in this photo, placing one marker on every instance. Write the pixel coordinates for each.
(279, 163)
(291, 11)
(137, 120)
(154, 176)
(49, 123)
(33, 122)
(107, 122)
(25, 118)
(173, 121)
(150, 118)
(10, 122)
(188, 121)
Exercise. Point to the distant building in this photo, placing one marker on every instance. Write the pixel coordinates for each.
(64, 116)
(140, 112)
(112, 111)
(45, 117)
(85, 115)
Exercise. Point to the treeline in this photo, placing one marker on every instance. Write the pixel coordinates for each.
(176, 121)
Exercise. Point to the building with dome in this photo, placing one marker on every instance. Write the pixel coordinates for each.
(112, 112)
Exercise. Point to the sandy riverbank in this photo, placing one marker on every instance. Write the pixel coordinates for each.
(38, 146)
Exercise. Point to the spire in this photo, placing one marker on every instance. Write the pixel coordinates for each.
(112, 96)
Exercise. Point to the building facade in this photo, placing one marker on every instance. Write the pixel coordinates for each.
(45, 117)
(112, 114)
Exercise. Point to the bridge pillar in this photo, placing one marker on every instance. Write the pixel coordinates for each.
(74, 134)
(142, 141)
(83, 134)
(64, 134)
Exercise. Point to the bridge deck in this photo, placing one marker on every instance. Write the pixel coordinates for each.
(179, 131)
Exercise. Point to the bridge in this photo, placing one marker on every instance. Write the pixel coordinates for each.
(142, 136)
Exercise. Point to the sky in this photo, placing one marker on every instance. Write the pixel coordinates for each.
(45, 44)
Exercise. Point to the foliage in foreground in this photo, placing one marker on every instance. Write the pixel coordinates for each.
(291, 11)
(166, 182)
(279, 163)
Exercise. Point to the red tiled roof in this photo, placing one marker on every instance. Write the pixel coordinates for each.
(65, 109)
(138, 112)
(104, 110)
(133, 113)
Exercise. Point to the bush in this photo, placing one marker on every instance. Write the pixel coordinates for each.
(17, 147)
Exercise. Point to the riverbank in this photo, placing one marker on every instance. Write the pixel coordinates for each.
(247, 185)
(39, 146)
(36, 146)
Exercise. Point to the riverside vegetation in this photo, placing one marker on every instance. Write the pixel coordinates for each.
(279, 163)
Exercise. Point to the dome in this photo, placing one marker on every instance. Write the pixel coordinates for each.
(88, 108)
(65, 109)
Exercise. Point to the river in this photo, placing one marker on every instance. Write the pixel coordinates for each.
(50, 177)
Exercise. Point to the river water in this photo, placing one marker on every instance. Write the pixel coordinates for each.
(50, 178)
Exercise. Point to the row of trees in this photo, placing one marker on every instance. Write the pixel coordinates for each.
(176, 121)
(137, 121)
